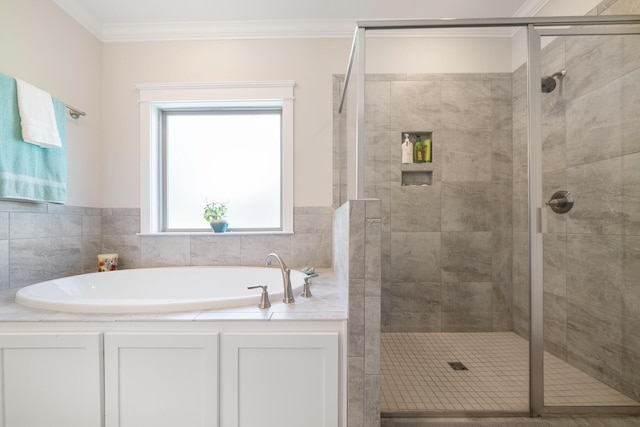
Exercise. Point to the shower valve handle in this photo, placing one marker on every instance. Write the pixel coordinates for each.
(561, 202)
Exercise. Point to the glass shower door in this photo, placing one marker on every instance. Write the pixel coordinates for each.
(590, 173)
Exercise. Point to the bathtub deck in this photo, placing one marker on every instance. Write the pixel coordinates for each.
(325, 304)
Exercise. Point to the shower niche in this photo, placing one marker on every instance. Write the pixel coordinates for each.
(420, 170)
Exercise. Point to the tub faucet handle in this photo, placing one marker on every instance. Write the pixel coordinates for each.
(306, 291)
(264, 298)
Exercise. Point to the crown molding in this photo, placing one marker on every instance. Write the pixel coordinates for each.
(81, 15)
(530, 8)
(273, 29)
(224, 30)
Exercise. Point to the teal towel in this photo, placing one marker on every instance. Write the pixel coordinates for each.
(27, 171)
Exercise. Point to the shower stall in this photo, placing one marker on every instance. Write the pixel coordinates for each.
(511, 261)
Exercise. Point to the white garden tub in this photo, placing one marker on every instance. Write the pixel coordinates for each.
(150, 290)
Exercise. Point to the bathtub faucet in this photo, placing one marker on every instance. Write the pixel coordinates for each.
(286, 277)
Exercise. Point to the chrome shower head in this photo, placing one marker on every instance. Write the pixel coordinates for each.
(549, 82)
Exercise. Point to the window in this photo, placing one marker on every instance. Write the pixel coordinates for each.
(225, 143)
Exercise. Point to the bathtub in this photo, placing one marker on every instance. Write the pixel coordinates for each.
(151, 290)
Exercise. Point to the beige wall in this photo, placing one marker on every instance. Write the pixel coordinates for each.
(41, 44)
(309, 62)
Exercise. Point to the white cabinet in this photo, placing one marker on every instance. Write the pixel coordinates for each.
(51, 379)
(128, 374)
(161, 379)
(280, 379)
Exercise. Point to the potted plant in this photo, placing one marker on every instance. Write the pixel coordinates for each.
(215, 213)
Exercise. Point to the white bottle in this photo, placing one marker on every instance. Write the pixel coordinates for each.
(407, 150)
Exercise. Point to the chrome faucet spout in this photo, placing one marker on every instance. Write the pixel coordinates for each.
(286, 277)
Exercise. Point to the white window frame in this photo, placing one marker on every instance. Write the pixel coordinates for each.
(155, 97)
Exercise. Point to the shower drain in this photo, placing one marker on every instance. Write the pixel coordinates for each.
(458, 366)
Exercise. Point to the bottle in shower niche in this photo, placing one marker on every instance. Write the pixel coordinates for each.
(407, 150)
(418, 150)
(427, 150)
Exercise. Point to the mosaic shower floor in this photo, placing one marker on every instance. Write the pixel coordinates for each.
(416, 375)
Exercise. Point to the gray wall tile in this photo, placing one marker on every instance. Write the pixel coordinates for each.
(127, 247)
(355, 385)
(502, 313)
(91, 225)
(38, 225)
(467, 105)
(631, 193)
(415, 257)
(416, 105)
(555, 324)
(9, 206)
(373, 254)
(555, 264)
(415, 322)
(585, 51)
(467, 307)
(120, 224)
(356, 317)
(415, 208)
(416, 297)
(372, 336)
(311, 249)
(254, 249)
(165, 251)
(215, 250)
(91, 247)
(631, 107)
(4, 264)
(466, 257)
(467, 206)
(378, 100)
(4, 225)
(501, 256)
(597, 188)
(36, 260)
(591, 282)
(594, 125)
(466, 155)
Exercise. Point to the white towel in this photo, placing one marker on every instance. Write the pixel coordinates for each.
(37, 116)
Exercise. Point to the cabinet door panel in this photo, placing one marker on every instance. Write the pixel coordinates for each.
(161, 380)
(280, 379)
(51, 380)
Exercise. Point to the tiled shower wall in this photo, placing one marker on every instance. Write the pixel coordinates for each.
(357, 233)
(446, 247)
(40, 241)
(591, 148)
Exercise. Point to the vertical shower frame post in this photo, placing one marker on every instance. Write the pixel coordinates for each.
(535, 206)
(360, 129)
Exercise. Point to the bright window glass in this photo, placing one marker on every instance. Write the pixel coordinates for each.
(223, 155)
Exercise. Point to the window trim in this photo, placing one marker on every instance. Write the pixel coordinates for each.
(155, 97)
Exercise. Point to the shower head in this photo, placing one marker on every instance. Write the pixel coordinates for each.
(549, 82)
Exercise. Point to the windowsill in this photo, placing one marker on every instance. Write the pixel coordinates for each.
(211, 233)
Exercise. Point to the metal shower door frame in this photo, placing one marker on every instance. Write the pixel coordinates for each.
(537, 206)
(536, 27)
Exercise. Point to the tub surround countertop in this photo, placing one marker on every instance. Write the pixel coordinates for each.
(325, 304)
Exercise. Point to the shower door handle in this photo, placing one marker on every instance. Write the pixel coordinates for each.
(561, 202)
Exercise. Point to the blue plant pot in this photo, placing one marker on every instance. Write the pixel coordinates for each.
(219, 226)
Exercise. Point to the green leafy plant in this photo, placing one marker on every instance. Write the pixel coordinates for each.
(214, 211)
